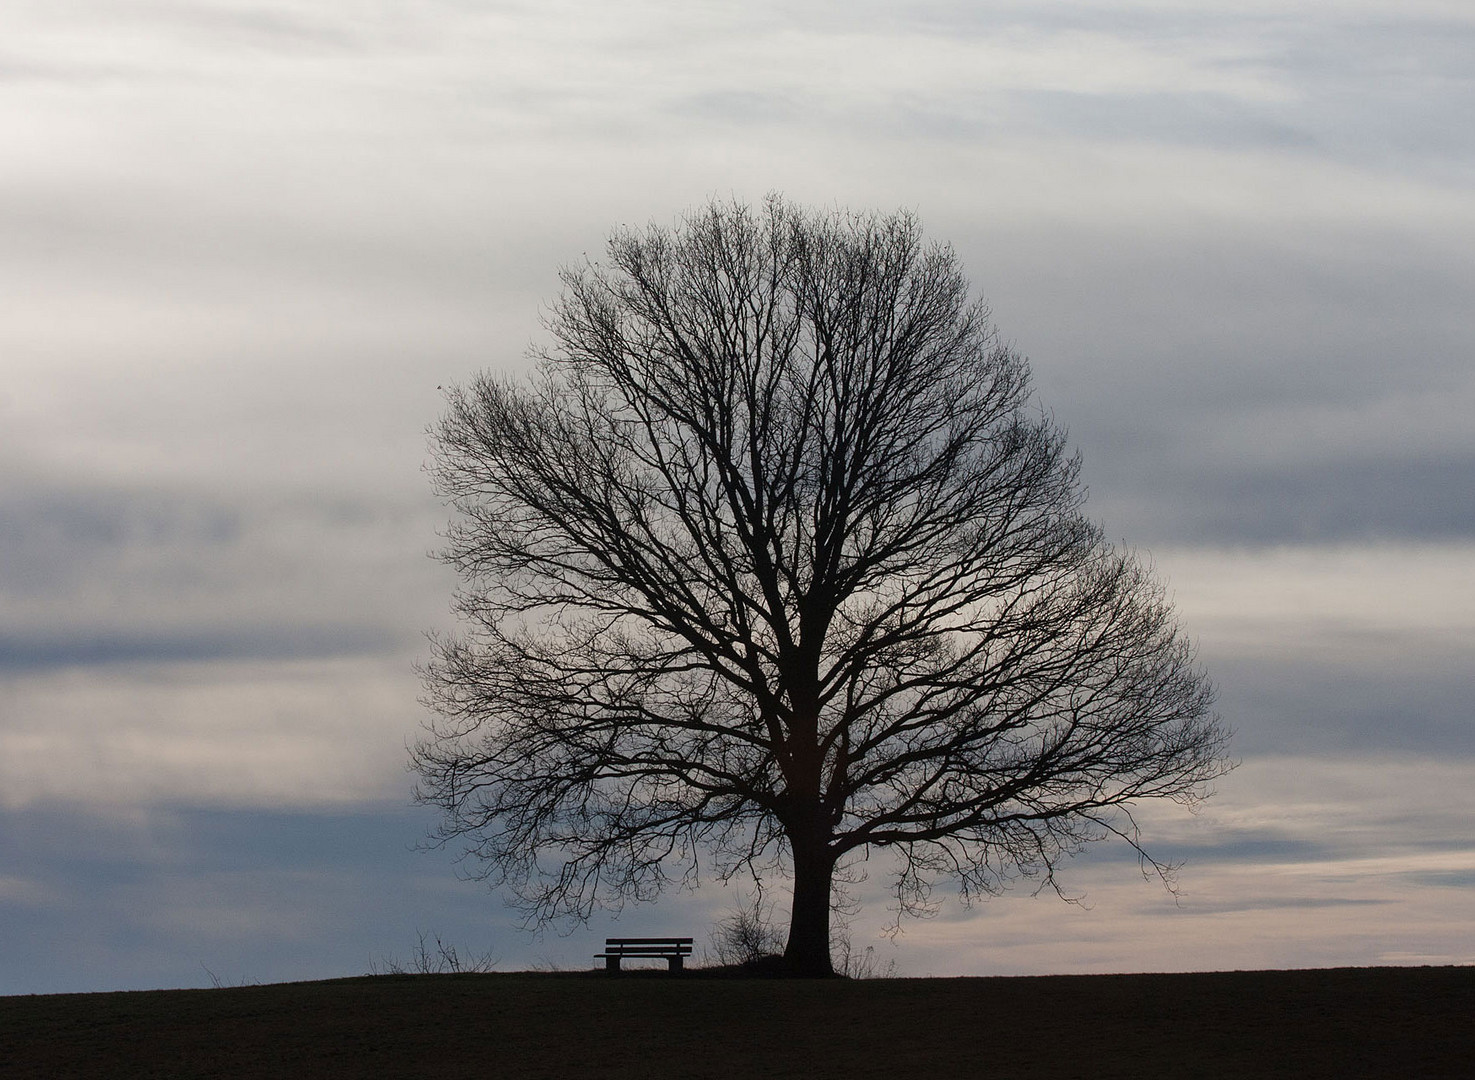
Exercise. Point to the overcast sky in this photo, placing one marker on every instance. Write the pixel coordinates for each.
(245, 244)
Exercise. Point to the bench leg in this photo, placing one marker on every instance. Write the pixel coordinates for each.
(611, 963)
(674, 963)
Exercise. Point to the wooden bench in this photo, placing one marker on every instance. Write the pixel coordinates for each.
(673, 950)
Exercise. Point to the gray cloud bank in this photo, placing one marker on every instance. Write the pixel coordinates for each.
(1296, 864)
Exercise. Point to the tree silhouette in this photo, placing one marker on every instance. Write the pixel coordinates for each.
(773, 562)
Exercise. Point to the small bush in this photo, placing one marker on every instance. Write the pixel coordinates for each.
(745, 935)
(853, 964)
(436, 959)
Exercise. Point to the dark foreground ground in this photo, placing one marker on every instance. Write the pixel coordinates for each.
(1344, 1023)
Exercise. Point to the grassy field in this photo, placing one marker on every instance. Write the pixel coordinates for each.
(1344, 1023)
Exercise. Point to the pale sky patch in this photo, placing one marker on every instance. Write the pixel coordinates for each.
(1390, 597)
(288, 734)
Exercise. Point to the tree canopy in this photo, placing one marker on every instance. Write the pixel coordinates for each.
(775, 561)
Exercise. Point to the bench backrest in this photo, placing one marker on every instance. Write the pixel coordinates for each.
(648, 946)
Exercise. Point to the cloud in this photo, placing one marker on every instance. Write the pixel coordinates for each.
(30, 653)
(1298, 861)
(1176, 118)
(112, 898)
(1254, 381)
(283, 733)
(274, 28)
(53, 537)
(1294, 902)
(133, 569)
(1377, 500)
(1326, 648)
(1319, 600)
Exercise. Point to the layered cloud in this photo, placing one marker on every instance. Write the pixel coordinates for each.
(1294, 863)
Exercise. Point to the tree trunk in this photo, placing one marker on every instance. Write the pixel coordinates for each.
(808, 951)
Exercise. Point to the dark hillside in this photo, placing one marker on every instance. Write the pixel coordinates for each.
(1406, 1022)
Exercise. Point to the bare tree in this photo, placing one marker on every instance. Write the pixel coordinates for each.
(775, 562)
